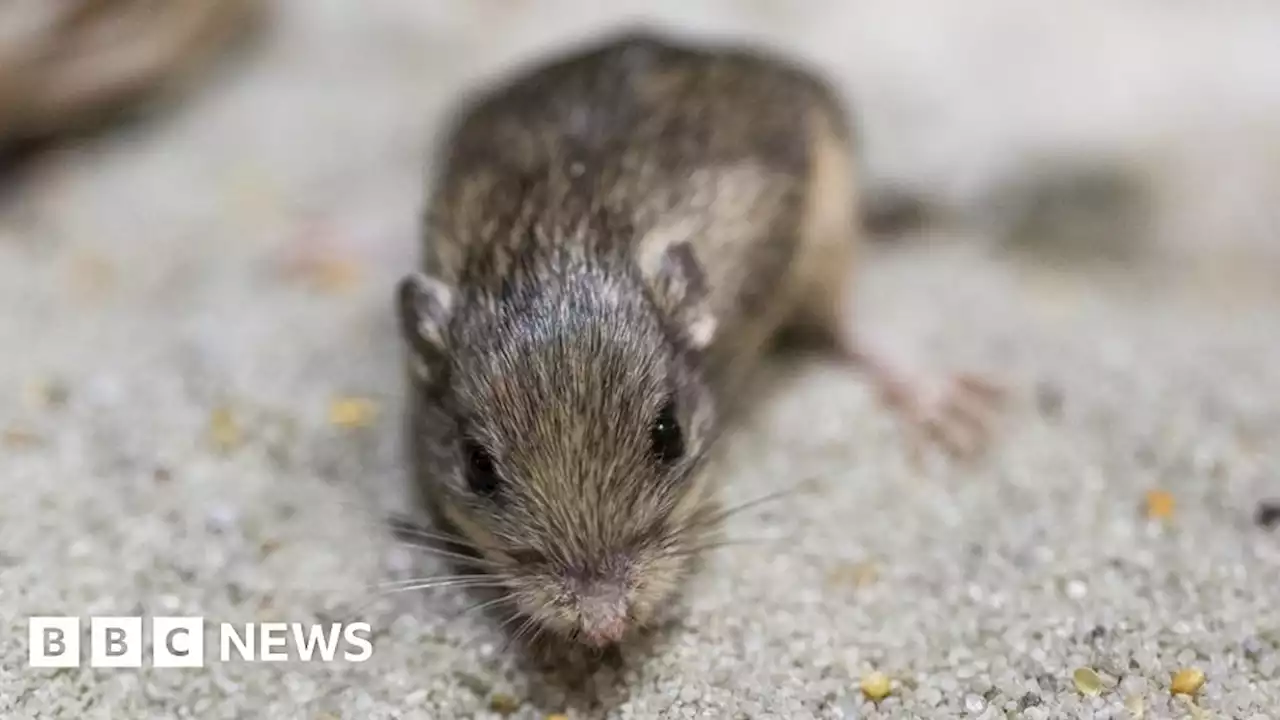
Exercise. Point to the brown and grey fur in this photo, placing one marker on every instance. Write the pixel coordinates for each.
(633, 219)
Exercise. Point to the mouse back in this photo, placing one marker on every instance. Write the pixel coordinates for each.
(662, 143)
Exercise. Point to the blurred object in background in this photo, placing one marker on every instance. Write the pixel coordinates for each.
(1074, 209)
(1135, 133)
(68, 66)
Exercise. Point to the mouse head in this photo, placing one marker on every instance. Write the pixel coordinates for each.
(570, 423)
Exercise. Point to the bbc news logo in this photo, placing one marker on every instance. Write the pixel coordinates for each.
(179, 642)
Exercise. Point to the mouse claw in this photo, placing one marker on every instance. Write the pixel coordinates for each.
(960, 419)
(980, 388)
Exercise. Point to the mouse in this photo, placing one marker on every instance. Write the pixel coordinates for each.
(613, 239)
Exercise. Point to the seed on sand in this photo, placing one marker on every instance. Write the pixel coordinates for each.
(875, 685)
(1087, 681)
(352, 412)
(17, 437)
(323, 269)
(856, 575)
(1187, 681)
(504, 704)
(1160, 504)
(223, 429)
(46, 393)
(331, 275)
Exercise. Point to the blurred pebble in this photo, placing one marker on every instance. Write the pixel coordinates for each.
(222, 518)
(1268, 514)
(1077, 590)
(47, 393)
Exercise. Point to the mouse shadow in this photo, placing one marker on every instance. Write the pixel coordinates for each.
(563, 675)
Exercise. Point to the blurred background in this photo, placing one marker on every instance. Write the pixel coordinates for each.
(1172, 105)
(204, 205)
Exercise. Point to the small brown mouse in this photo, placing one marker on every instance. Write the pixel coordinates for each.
(613, 239)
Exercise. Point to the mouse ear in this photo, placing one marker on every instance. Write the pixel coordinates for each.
(680, 284)
(424, 305)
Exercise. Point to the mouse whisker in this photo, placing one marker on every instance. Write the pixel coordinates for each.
(715, 517)
(480, 607)
(468, 582)
(701, 548)
(514, 617)
(537, 633)
(404, 531)
(384, 590)
(480, 562)
(410, 581)
(513, 637)
(379, 591)
(529, 625)
(419, 533)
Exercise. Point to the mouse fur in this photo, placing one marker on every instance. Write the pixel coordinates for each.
(612, 239)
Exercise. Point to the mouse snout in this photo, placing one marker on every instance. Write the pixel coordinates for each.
(603, 611)
(603, 607)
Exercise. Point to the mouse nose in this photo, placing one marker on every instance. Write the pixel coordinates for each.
(603, 633)
(603, 609)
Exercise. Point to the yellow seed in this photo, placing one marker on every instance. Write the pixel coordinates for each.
(1087, 681)
(43, 394)
(352, 412)
(322, 270)
(557, 716)
(864, 574)
(1187, 681)
(334, 276)
(504, 704)
(16, 437)
(1160, 505)
(223, 429)
(875, 685)
(1136, 706)
(857, 575)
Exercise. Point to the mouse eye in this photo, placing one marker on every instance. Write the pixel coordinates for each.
(665, 436)
(481, 475)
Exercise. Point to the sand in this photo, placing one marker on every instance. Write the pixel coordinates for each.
(171, 447)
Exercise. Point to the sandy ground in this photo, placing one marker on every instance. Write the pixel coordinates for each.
(167, 387)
